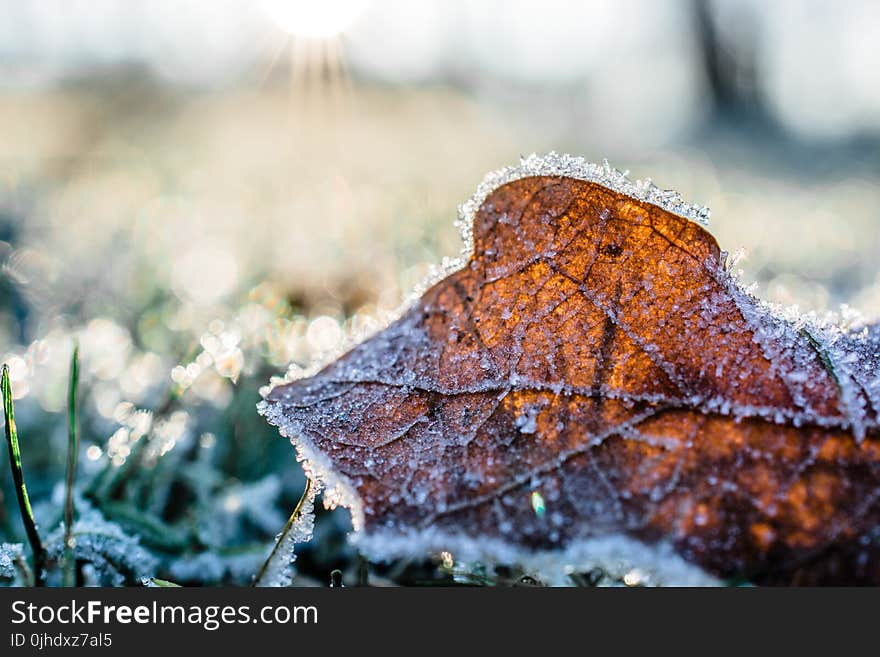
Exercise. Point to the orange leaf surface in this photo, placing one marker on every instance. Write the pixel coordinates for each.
(593, 386)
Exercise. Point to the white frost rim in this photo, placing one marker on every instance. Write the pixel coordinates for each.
(617, 555)
(336, 488)
(560, 165)
(572, 166)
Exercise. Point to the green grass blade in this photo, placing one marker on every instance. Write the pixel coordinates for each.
(284, 532)
(24, 503)
(69, 566)
(163, 583)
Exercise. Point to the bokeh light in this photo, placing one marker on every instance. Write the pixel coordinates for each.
(314, 20)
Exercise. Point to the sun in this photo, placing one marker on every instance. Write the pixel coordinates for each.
(314, 19)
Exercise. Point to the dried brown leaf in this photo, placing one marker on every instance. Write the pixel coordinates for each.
(593, 386)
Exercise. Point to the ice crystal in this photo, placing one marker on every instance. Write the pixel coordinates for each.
(252, 504)
(216, 568)
(117, 557)
(279, 568)
(10, 554)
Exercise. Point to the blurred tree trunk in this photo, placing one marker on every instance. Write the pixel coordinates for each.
(727, 36)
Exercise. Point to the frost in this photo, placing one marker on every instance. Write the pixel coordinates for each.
(10, 554)
(615, 555)
(847, 346)
(214, 568)
(116, 557)
(527, 421)
(552, 164)
(251, 504)
(572, 166)
(279, 567)
(337, 489)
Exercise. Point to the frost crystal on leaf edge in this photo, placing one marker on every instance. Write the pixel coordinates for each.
(563, 166)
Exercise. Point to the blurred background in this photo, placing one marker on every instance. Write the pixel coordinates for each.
(203, 192)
